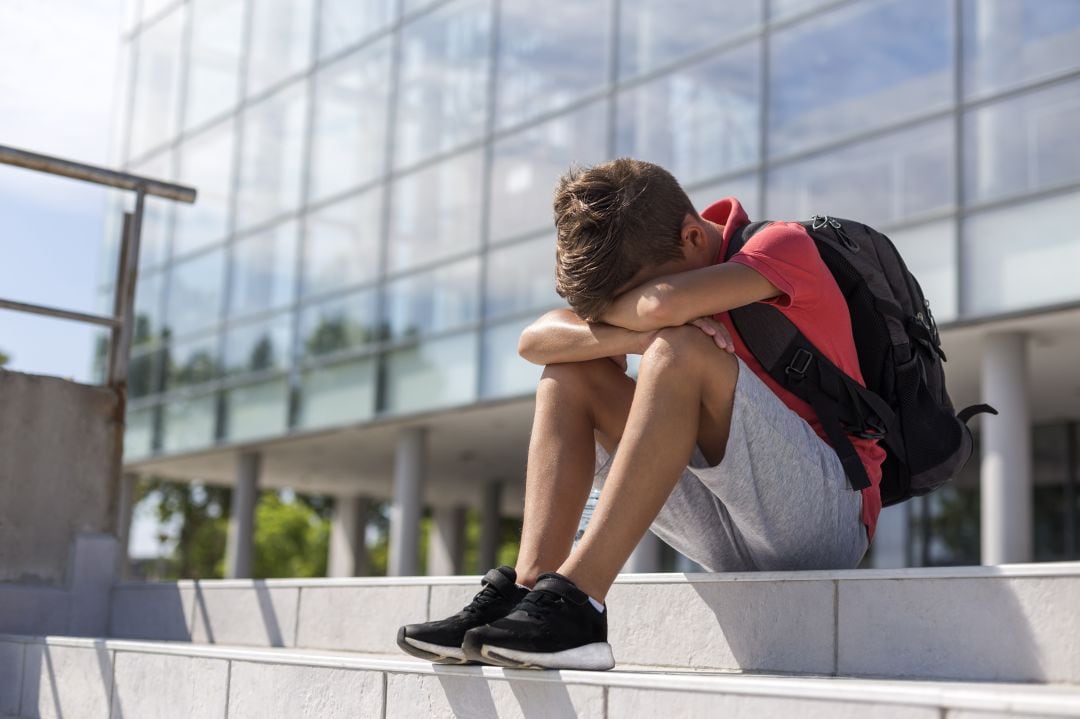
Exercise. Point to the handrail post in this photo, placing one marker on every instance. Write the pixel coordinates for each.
(127, 270)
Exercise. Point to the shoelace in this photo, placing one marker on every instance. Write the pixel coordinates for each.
(537, 604)
(483, 598)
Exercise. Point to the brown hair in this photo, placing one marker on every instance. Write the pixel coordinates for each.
(611, 220)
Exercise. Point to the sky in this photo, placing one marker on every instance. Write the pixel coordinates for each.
(59, 74)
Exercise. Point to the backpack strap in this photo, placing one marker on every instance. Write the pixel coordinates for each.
(843, 406)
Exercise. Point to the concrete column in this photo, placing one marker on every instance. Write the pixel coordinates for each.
(1006, 451)
(410, 467)
(446, 542)
(348, 550)
(239, 551)
(646, 555)
(125, 508)
(892, 539)
(490, 503)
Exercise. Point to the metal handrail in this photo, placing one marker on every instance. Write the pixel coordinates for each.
(121, 322)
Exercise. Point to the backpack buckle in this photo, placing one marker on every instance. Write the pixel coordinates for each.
(800, 362)
(870, 431)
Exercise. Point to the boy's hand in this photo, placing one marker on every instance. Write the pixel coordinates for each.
(717, 331)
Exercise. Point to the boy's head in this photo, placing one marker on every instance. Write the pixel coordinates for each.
(615, 222)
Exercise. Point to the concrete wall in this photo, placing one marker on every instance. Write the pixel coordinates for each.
(59, 448)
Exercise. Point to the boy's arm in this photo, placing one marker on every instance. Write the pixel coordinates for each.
(562, 336)
(673, 300)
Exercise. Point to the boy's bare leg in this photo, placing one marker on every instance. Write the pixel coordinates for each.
(685, 390)
(577, 403)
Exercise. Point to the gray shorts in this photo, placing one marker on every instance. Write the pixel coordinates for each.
(778, 500)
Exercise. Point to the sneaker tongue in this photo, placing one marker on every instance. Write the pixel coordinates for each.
(502, 578)
(558, 584)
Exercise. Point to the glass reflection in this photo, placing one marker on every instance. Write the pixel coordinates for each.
(192, 362)
(443, 87)
(1023, 144)
(157, 215)
(206, 163)
(338, 393)
(654, 33)
(189, 423)
(259, 346)
(1009, 42)
(139, 432)
(521, 277)
(148, 323)
(346, 22)
(342, 245)
(505, 373)
(1001, 268)
(339, 325)
(157, 83)
(432, 374)
(195, 293)
(700, 121)
(213, 85)
(743, 188)
(436, 212)
(929, 251)
(144, 372)
(549, 59)
(434, 301)
(280, 41)
(527, 165)
(895, 61)
(350, 120)
(879, 181)
(264, 270)
(784, 8)
(271, 169)
(256, 410)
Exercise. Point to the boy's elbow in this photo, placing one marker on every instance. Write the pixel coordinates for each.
(528, 347)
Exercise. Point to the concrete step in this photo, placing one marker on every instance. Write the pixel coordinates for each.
(95, 678)
(1010, 623)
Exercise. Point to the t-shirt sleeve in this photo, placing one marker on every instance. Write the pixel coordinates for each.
(784, 254)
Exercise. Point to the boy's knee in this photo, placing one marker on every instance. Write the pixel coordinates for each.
(685, 346)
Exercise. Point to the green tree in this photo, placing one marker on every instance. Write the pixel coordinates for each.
(4, 358)
(291, 539)
(202, 512)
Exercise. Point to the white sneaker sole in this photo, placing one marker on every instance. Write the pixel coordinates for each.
(446, 653)
(596, 656)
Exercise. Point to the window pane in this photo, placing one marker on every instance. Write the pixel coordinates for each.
(505, 373)
(549, 58)
(189, 423)
(346, 22)
(1000, 271)
(280, 41)
(785, 8)
(157, 214)
(433, 301)
(433, 374)
(206, 163)
(436, 212)
(257, 410)
(338, 394)
(342, 246)
(217, 34)
(929, 251)
(148, 320)
(699, 122)
(195, 293)
(1023, 144)
(528, 164)
(157, 84)
(259, 346)
(339, 325)
(350, 120)
(522, 277)
(894, 61)
(139, 433)
(192, 362)
(443, 90)
(144, 372)
(653, 33)
(744, 189)
(271, 168)
(264, 270)
(884, 180)
(1009, 42)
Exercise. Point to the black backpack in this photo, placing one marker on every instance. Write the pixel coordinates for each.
(904, 403)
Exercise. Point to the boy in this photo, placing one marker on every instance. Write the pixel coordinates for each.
(712, 454)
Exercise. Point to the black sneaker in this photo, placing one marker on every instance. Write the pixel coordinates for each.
(440, 641)
(554, 627)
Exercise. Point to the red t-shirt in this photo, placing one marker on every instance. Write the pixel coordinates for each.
(785, 255)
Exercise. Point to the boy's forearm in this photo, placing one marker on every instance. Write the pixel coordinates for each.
(562, 336)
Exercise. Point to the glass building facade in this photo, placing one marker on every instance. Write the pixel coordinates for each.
(373, 227)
